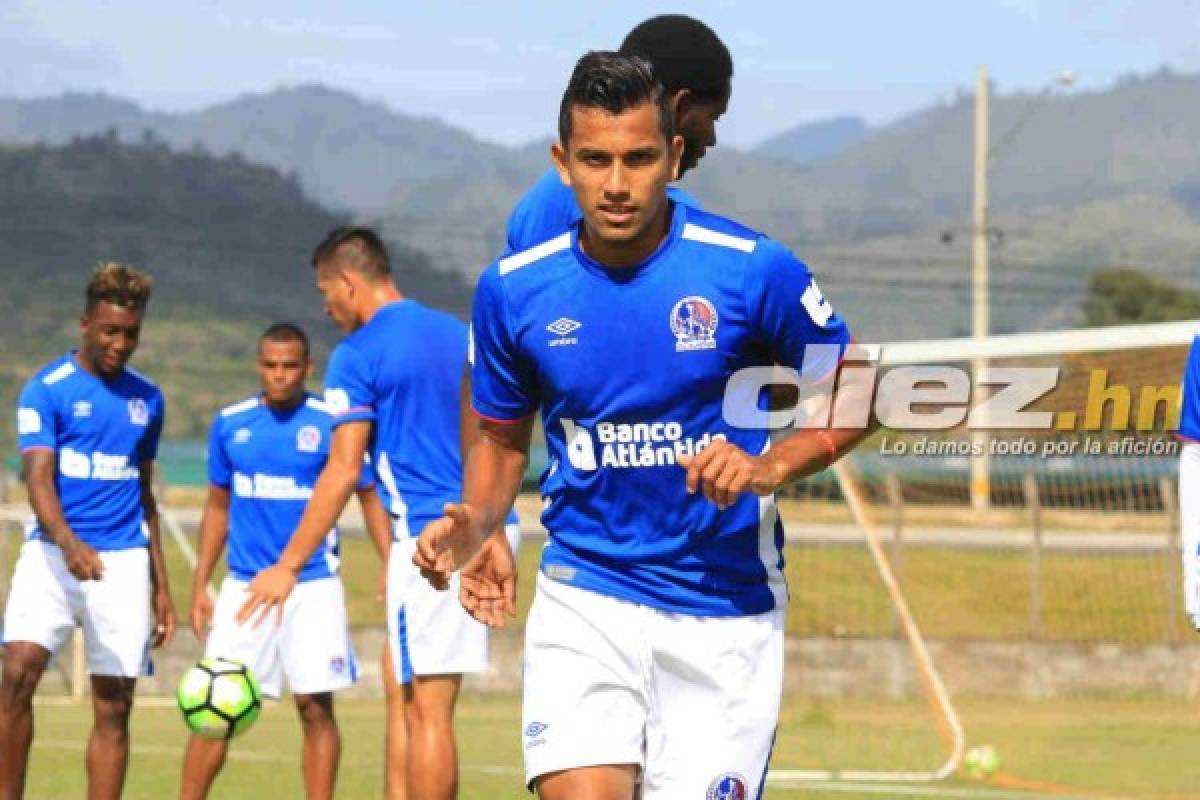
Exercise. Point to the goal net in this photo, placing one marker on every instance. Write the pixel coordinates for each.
(1038, 558)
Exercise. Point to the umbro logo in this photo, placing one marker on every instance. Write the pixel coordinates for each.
(562, 328)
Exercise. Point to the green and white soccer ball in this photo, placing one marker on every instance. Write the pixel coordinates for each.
(219, 698)
(981, 761)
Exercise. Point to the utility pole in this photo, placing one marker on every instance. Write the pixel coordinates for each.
(980, 474)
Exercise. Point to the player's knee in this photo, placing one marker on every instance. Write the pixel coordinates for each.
(19, 680)
(315, 711)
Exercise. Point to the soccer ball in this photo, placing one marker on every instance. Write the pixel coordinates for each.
(219, 698)
(981, 761)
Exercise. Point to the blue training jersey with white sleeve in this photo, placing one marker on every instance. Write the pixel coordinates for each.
(403, 372)
(549, 208)
(1189, 417)
(100, 431)
(629, 368)
(269, 461)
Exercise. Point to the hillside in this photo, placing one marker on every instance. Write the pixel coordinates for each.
(1065, 171)
(227, 242)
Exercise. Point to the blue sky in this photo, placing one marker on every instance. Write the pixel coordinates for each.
(497, 68)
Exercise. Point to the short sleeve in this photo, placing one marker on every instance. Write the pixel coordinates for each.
(798, 323)
(503, 387)
(220, 470)
(348, 386)
(37, 423)
(546, 210)
(148, 446)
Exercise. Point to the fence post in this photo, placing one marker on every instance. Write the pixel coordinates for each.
(1033, 501)
(895, 497)
(1172, 555)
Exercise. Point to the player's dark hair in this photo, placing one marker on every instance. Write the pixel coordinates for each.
(119, 285)
(357, 247)
(286, 332)
(613, 82)
(686, 54)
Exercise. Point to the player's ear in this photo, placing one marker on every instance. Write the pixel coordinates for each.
(559, 155)
(676, 155)
(680, 103)
(307, 367)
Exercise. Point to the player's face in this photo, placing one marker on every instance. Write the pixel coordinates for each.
(337, 290)
(282, 370)
(696, 122)
(619, 166)
(109, 336)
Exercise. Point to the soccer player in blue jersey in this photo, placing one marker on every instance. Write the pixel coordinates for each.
(264, 456)
(694, 65)
(393, 386)
(88, 429)
(654, 647)
(1189, 482)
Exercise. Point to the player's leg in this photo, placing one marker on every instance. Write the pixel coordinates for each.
(116, 627)
(585, 703)
(714, 704)
(396, 741)
(433, 756)
(257, 648)
(322, 744)
(108, 746)
(38, 619)
(317, 658)
(24, 664)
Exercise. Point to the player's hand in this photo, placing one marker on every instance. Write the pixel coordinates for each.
(201, 612)
(722, 471)
(83, 561)
(448, 543)
(266, 593)
(164, 619)
(488, 588)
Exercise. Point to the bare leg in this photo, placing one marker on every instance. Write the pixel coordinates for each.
(202, 760)
(24, 663)
(322, 744)
(108, 747)
(609, 782)
(433, 760)
(396, 748)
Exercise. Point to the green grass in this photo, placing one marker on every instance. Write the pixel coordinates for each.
(1133, 748)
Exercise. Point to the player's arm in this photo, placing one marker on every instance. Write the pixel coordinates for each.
(469, 431)
(337, 481)
(492, 477)
(39, 464)
(377, 520)
(160, 592)
(214, 530)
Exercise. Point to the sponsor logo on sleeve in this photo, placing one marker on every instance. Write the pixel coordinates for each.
(81, 409)
(816, 305)
(338, 401)
(29, 421)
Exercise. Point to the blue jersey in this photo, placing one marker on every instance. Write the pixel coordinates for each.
(403, 372)
(269, 461)
(549, 208)
(629, 369)
(1189, 418)
(101, 431)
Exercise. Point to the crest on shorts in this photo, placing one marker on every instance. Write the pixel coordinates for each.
(728, 786)
(694, 323)
(308, 439)
(139, 414)
(337, 665)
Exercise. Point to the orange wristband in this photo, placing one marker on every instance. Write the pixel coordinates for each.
(827, 440)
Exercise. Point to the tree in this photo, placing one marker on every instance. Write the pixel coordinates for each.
(1126, 296)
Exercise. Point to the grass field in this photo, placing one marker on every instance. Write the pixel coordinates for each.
(1083, 748)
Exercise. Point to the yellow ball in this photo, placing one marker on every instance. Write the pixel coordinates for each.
(981, 761)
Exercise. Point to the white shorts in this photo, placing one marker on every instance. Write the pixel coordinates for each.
(46, 602)
(692, 701)
(311, 648)
(428, 631)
